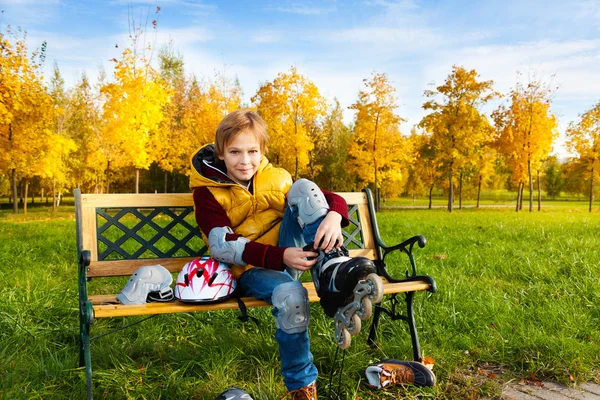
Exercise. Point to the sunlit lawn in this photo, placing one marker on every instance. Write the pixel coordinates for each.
(518, 292)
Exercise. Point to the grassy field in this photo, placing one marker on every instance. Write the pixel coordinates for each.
(518, 297)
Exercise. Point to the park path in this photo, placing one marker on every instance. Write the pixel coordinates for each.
(550, 391)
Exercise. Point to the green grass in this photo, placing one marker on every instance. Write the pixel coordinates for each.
(517, 292)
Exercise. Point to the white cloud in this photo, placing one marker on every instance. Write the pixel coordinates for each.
(386, 36)
(304, 9)
(266, 37)
(184, 36)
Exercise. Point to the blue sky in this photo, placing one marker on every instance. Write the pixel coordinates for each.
(337, 44)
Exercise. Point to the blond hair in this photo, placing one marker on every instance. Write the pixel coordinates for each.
(237, 122)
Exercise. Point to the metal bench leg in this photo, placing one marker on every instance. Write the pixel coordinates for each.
(85, 355)
(414, 336)
(374, 325)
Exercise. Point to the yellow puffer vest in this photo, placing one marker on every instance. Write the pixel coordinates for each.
(256, 216)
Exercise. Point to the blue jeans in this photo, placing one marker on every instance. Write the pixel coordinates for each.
(297, 365)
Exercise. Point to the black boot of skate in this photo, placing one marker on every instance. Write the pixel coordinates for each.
(335, 276)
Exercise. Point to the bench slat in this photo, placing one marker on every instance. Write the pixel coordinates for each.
(119, 310)
(172, 199)
(128, 267)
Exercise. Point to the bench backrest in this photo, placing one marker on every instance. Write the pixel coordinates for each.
(126, 231)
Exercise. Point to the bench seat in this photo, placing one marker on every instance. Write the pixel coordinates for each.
(104, 308)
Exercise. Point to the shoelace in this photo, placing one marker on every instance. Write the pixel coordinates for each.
(309, 392)
(396, 376)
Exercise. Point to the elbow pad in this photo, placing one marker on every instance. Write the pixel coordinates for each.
(227, 251)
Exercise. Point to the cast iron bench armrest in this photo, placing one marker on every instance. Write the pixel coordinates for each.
(407, 248)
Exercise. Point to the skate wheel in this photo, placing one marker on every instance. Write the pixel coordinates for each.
(355, 325)
(366, 309)
(377, 294)
(345, 340)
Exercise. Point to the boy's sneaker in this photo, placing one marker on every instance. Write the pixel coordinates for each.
(393, 372)
(305, 393)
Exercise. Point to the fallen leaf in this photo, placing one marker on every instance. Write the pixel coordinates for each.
(429, 362)
(440, 256)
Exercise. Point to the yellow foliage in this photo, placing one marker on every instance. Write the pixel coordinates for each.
(526, 129)
(584, 139)
(132, 110)
(25, 110)
(292, 107)
(378, 151)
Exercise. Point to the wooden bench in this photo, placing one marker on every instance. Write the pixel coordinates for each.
(118, 233)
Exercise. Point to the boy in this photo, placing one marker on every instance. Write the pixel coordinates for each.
(240, 202)
(254, 217)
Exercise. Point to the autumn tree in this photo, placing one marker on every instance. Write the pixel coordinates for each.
(132, 110)
(427, 167)
(60, 145)
(526, 131)
(458, 126)
(332, 151)
(25, 109)
(171, 139)
(553, 177)
(584, 139)
(292, 107)
(377, 150)
(575, 173)
(484, 162)
(83, 127)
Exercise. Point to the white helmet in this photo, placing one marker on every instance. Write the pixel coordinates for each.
(204, 280)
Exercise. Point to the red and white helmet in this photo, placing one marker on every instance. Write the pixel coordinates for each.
(204, 280)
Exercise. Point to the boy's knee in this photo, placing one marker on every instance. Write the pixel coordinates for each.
(293, 312)
(310, 201)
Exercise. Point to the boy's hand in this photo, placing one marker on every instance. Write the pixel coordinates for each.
(329, 233)
(295, 257)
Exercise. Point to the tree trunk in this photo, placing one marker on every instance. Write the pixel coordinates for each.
(108, 178)
(460, 182)
(450, 189)
(166, 180)
(376, 191)
(430, 194)
(530, 186)
(591, 190)
(296, 173)
(54, 194)
(137, 181)
(14, 190)
(478, 191)
(539, 189)
(518, 197)
(42, 197)
(26, 189)
(521, 197)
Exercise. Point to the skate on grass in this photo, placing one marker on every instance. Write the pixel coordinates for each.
(347, 288)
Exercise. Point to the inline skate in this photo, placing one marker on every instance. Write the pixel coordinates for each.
(347, 288)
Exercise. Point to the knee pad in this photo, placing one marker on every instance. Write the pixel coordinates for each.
(227, 251)
(310, 201)
(154, 280)
(293, 312)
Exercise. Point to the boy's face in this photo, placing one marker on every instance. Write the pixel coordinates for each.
(242, 157)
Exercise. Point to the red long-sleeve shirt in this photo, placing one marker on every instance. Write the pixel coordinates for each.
(210, 214)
